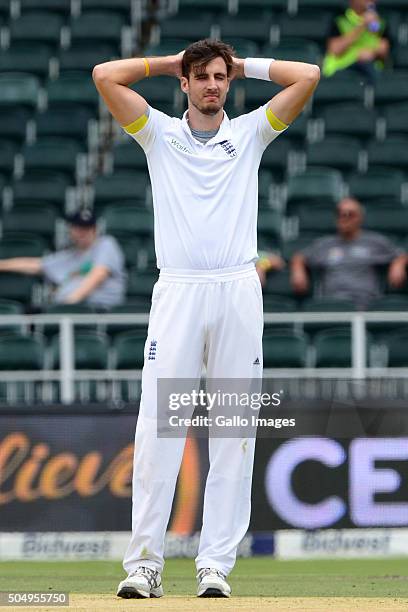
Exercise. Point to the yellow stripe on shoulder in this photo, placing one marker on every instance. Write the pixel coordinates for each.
(137, 125)
(276, 123)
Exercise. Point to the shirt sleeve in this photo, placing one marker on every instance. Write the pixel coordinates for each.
(384, 251)
(263, 124)
(109, 254)
(147, 127)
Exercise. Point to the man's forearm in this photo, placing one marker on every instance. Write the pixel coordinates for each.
(22, 265)
(89, 283)
(339, 44)
(282, 72)
(128, 71)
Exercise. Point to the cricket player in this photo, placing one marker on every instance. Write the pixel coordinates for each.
(207, 303)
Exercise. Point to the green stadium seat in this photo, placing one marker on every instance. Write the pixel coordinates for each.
(99, 26)
(90, 351)
(350, 119)
(8, 151)
(317, 219)
(257, 28)
(21, 246)
(401, 57)
(82, 57)
(387, 303)
(132, 247)
(26, 57)
(265, 180)
(275, 157)
(278, 283)
(122, 7)
(10, 307)
(52, 153)
(297, 131)
(17, 287)
(336, 6)
(129, 350)
(392, 152)
(40, 219)
(393, 4)
(51, 329)
(215, 6)
(41, 186)
(61, 7)
(269, 223)
(342, 87)
(290, 247)
(333, 348)
(4, 9)
(140, 284)
(310, 24)
(242, 46)
(386, 220)
(314, 185)
(294, 49)
(13, 124)
(396, 345)
(122, 185)
(274, 303)
(73, 88)
(396, 119)
(18, 352)
(129, 156)
(177, 26)
(325, 305)
(168, 47)
(377, 184)
(257, 93)
(391, 87)
(284, 349)
(340, 152)
(140, 306)
(157, 91)
(19, 90)
(259, 5)
(63, 123)
(37, 27)
(124, 218)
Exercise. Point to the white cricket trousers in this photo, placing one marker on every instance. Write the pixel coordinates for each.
(197, 317)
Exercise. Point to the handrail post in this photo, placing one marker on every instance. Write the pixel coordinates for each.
(359, 346)
(67, 360)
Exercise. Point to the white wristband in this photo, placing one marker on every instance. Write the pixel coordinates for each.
(257, 68)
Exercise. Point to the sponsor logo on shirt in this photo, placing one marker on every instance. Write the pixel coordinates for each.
(152, 350)
(180, 147)
(228, 148)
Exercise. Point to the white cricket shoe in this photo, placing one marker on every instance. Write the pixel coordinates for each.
(143, 582)
(212, 583)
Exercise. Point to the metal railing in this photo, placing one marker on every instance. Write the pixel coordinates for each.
(67, 375)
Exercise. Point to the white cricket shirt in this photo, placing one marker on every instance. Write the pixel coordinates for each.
(205, 196)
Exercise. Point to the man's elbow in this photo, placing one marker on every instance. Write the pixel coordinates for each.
(313, 73)
(99, 73)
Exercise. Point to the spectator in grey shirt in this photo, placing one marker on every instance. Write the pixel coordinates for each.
(90, 271)
(347, 263)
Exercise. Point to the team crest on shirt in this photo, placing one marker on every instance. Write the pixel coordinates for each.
(228, 148)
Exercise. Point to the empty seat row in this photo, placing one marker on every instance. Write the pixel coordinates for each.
(281, 349)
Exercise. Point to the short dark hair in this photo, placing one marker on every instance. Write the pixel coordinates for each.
(199, 54)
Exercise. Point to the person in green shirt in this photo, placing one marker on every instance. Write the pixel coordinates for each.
(358, 40)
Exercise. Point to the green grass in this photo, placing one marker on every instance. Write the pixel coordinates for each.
(259, 576)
